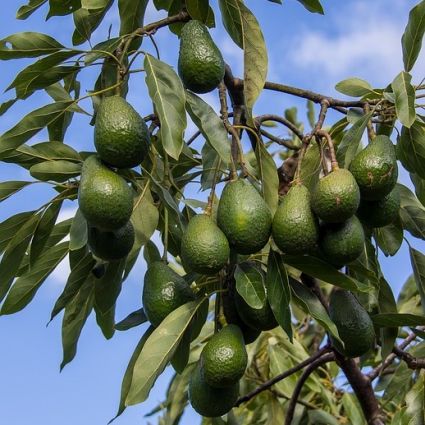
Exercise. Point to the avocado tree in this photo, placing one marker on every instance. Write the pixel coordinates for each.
(263, 290)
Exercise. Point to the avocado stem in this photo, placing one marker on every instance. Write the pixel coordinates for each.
(327, 136)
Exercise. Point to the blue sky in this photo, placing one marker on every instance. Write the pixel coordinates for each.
(355, 38)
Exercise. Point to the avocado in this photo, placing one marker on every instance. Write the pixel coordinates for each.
(355, 327)
(295, 228)
(121, 136)
(380, 213)
(111, 245)
(342, 243)
(104, 197)
(200, 65)
(204, 247)
(375, 169)
(163, 291)
(336, 196)
(209, 401)
(224, 358)
(244, 217)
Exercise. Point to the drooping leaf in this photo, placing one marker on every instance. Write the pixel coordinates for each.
(313, 6)
(404, 98)
(11, 187)
(390, 238)
(278, 291)
(26, 286)
(394, 320)
(58, 171)
(250, 284)
(136, 318)
(355, 87)
(413, 35)
(181, 354)
(311, 168)
(412, 212)
(63, 7)
(79, 232)
(132, 14)
(158, 351)
(168, 95)
(419, 184)
(411, 149)
(26, 10)
(415, 402)
(198, 9)
(418, 264)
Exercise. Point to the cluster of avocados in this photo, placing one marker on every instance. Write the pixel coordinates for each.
(105, 199)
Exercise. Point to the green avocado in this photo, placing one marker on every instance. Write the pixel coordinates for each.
(355, 327)
(375, 169)
(224, 358)
(295, 228)
(244, 217)
(111, 245)
(204, 247)
(342, 243)
(380, 213)
(200, 65)
(121, 136)
(163, 292)
(209, 401)
(104, 197)
(336, 197)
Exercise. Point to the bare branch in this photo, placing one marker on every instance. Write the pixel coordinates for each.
(412, 362)
(277, 118)
(282, 142)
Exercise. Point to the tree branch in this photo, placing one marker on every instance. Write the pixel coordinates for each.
(297, 391)
(412, 362)
(282, 142)
(277, 118)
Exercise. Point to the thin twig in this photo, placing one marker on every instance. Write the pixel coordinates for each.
(277, 118)
(282, 142)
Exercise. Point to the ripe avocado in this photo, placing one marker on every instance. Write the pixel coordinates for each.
(204, 247)
(336, 197)
(200, 65)
(375, 169)
(111, 245)
(121, 136)
(163, 291)
(354, 324)
(224, 358)
(380, 213)
(342, 243)
(244, 217)
(104, 197)
(209, 401)
(295, 228)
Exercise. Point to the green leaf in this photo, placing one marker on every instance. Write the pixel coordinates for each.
(352, 409)
(30, 125)
(250, 284)
(44, 230)
(309, 302)
(404, 99)
(26, 286)
(27, 45)
(313, 6)
(158, 351)
(76, 314)
(269, 177)
(10, 226)
(181, 355)
(321, 270)
(63, 7)
(389, 238)
(418, 264)
(108, 287)
(168, 95)
(78, 233)
(412, 212)
(25, 11)
(134, 319)
(58, 171)
(311, 166)
(419, 184)
(80, 272)
(355, 87)
(10, 188)
(132, 14)
(413, 35)
(128, 376)
(14, 253)
(349, 145)
(394, 320)
(415, 402)
(320, 417)
(411, 148)
(245, 31)
(198, 9)
(278, 291)
(209, 124)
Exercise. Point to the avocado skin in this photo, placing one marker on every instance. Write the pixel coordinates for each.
(209, 401)
(380, 213)
(244, 217)
(200, 65)
(163, 292)
(342, 243)
(111, 245)
(295, 228)
(204, 247)
(336, 197)
(121, 136)
(224, 358)
(354, 324)
(375, 169)
(104, 197)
